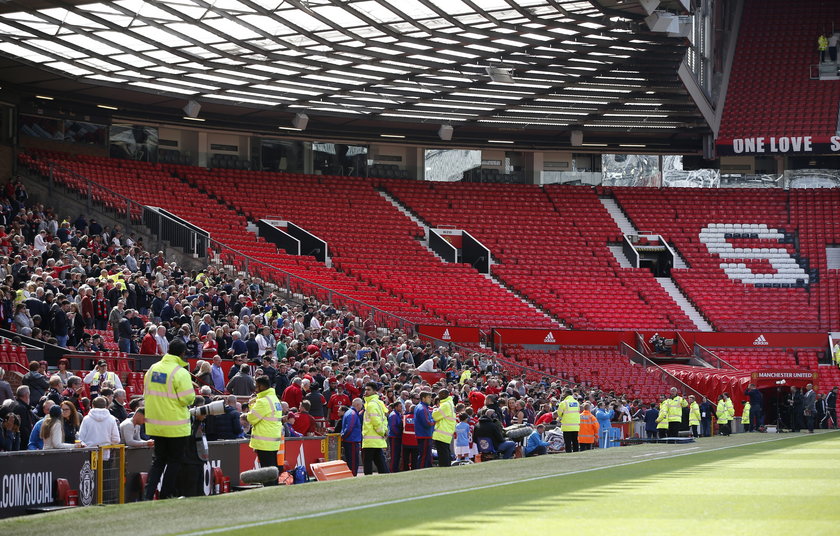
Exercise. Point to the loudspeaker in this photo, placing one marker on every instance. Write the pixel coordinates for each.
(300, 121)
(576, 138)
(663, 22)
(649, 5)
(445, 132)
(192, 108)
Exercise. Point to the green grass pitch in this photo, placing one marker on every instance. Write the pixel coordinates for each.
(750, 484)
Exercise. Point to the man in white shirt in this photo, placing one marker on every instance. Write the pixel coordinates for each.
(130, 430)
(41, 242)
(162, 341)
(429, 365)
(99, 427)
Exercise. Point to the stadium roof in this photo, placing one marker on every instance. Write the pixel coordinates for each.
(530, 69)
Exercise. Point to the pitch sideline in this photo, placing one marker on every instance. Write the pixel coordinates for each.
(402, 500)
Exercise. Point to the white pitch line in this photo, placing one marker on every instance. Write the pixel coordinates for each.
(650, 454)
(454, 491)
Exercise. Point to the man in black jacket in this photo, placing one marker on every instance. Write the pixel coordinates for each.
(37, 382)
(831, 407)
(490, 428)
(226, 425)
(24, 412)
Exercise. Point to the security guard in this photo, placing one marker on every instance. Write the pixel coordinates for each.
(693, 416)
(723, 416)
(675, 405)
(662, 419)
(374, 431)
(444, 417)
(822, 46)
(745, 417)
(265, 418)
(568, 413)
(168, 395)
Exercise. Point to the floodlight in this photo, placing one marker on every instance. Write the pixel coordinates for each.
(500, 75)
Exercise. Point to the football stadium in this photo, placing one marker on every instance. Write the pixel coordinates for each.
(419, 266)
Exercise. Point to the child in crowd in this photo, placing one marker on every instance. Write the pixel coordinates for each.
(462, 438)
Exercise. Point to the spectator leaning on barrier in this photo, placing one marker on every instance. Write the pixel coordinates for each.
(130, 430)
(99, 427)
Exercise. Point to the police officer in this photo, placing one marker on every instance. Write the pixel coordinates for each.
(675, 404)
(374, 431)
(444, 417)
(568, 413)
(265, 418)
(168, 395)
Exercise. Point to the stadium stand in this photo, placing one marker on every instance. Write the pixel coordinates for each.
(770, 93)
(552, 247)
(730, 304)
(361, 225)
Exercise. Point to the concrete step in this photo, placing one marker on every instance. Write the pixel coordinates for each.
(671, 288)
(618, 253)
(618, 215)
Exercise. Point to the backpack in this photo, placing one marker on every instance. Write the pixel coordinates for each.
(300, 475)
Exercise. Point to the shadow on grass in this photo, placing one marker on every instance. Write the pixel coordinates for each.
(530, 499)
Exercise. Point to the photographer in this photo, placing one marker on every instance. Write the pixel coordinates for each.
(168, 394)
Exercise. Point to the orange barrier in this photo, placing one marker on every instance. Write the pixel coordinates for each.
(331, 470)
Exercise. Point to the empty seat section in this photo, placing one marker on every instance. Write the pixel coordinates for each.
(770, 92)
(551, 246)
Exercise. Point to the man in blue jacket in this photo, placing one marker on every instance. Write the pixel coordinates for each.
(351, 434)
(756, 407)
(707, 409)
(395, 430)
(424, 428)
(535, 445)
(651, 414)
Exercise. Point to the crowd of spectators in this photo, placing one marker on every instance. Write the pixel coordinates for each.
(73, 282)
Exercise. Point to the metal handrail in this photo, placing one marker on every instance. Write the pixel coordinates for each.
(323, 293)
(701, 351)
(637, 357)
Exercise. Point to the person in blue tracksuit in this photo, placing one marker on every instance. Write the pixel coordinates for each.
(651, 414)
(607, 432)
(395, 430)
(351, 434)
(535, 445)
(424, 427)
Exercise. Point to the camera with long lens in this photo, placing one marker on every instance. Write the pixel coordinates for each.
(213, 408)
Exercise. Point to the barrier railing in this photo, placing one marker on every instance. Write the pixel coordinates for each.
(711, 358)
(109, 464)
(199, 242)
(664, 376)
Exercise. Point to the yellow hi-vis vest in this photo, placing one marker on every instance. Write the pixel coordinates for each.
(745, 417)
(374, 424)
(675, 406)
(266, 419)
(694, 414)
(168, 394)
(722, 412)
(444, 417)
(569, 414)
(662, 420)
